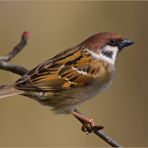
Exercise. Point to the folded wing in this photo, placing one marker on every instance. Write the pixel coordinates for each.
(71, 68)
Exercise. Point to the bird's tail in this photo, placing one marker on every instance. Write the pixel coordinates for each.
(8, 90)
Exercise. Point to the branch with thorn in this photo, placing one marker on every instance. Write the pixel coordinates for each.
(20, 70)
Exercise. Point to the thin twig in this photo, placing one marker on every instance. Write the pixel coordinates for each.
(5, 58)
(106, 138)
(98, 131)
(21, 71)
(13, 68)
(17, 48)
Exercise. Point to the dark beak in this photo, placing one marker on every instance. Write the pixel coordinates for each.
(125, 43)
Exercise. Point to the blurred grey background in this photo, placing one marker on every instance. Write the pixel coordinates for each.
(54, 26)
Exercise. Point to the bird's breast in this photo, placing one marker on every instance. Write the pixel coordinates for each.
(101, 82)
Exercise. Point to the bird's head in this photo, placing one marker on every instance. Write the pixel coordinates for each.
(106, 45)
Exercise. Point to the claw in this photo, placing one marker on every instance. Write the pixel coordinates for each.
(88, 128)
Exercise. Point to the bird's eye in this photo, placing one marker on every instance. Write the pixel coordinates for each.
(113, 42)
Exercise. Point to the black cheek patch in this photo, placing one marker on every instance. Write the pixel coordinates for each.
(108, 54)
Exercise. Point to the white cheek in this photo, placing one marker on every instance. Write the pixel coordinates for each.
(102, 57)
(110, 48)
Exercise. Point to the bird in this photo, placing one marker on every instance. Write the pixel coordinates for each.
(73, 76)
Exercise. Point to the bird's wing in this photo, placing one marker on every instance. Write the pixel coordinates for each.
(70, 68)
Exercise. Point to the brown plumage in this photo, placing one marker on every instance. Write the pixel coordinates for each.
(73, 76)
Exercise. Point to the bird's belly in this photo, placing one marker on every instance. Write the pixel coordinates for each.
(86, 93)
(67, 101)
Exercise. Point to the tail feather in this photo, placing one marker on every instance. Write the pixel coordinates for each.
(8, 90)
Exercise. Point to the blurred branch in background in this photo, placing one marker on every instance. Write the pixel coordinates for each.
(6, 58)
(4, 65)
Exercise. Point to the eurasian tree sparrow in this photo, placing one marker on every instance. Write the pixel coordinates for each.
(73, 76)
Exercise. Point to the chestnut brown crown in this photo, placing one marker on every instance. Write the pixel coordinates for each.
(99, 40)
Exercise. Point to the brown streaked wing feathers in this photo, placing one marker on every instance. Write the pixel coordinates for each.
(62, 72)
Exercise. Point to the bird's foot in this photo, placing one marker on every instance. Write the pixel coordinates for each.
(88, 128)
(88, 124)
